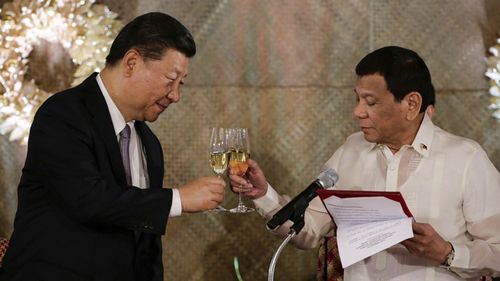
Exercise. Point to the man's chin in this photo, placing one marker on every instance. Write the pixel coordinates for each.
(369, 138)
(152, 118)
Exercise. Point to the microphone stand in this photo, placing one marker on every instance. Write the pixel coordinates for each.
(298, 219)
(272, 266)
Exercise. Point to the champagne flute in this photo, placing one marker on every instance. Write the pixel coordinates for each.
(239, 152)
(218, 155)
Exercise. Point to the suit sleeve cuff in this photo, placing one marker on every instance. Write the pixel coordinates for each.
(176, 209)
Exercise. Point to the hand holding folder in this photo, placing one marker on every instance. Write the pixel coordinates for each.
(367, 221)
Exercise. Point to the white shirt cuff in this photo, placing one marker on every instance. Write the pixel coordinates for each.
(176, 208)
(462, 256)
(269, 202)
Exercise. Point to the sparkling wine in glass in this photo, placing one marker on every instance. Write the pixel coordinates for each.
(218, 162)
(239, 153)
(219, 158)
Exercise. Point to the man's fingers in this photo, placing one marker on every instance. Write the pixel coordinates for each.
(242, 189)
(252, 164)
(421, 228)
(214, 180)
(218, 198)
(237, 180)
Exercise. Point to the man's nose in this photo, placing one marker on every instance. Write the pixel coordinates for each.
(359, 111)
(174, 95)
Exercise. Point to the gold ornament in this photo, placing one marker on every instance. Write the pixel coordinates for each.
(493, 72)
(86, 30)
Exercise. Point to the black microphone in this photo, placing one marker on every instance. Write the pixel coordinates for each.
(295, 209)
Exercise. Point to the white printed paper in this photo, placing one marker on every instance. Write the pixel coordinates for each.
(367, 225)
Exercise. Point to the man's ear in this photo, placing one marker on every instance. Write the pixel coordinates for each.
(130, 61)
(414, 103)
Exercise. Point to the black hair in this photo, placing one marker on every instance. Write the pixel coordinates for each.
(152, 34)
(404, 71)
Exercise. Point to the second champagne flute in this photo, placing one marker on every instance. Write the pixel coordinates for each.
(239, 152)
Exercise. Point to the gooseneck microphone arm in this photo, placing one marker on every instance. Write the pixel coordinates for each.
(272, 265)
(295, 210)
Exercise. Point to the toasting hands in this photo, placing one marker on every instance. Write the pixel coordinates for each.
(427, 243)
(253, 185)
(202, 194)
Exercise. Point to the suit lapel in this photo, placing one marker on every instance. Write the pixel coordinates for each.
(101, 120)
(153, 152)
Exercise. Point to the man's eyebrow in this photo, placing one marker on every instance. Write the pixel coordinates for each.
(363, 94)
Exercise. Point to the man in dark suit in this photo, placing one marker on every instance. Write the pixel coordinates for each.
(91, 202)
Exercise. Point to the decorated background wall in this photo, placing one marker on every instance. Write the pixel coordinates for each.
(284, 69)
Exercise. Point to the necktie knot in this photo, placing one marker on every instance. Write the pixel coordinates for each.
(125, 133)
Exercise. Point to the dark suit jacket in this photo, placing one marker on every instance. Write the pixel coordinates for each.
(76, 216)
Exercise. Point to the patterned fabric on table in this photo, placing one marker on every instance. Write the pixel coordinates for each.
(329, 266)
(4, 243)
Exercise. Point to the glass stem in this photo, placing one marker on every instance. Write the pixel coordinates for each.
(240, 202)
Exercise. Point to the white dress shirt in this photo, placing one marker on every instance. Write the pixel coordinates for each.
(138, 163)
(446, 180)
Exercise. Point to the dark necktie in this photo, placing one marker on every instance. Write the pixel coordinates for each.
(124, 144)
